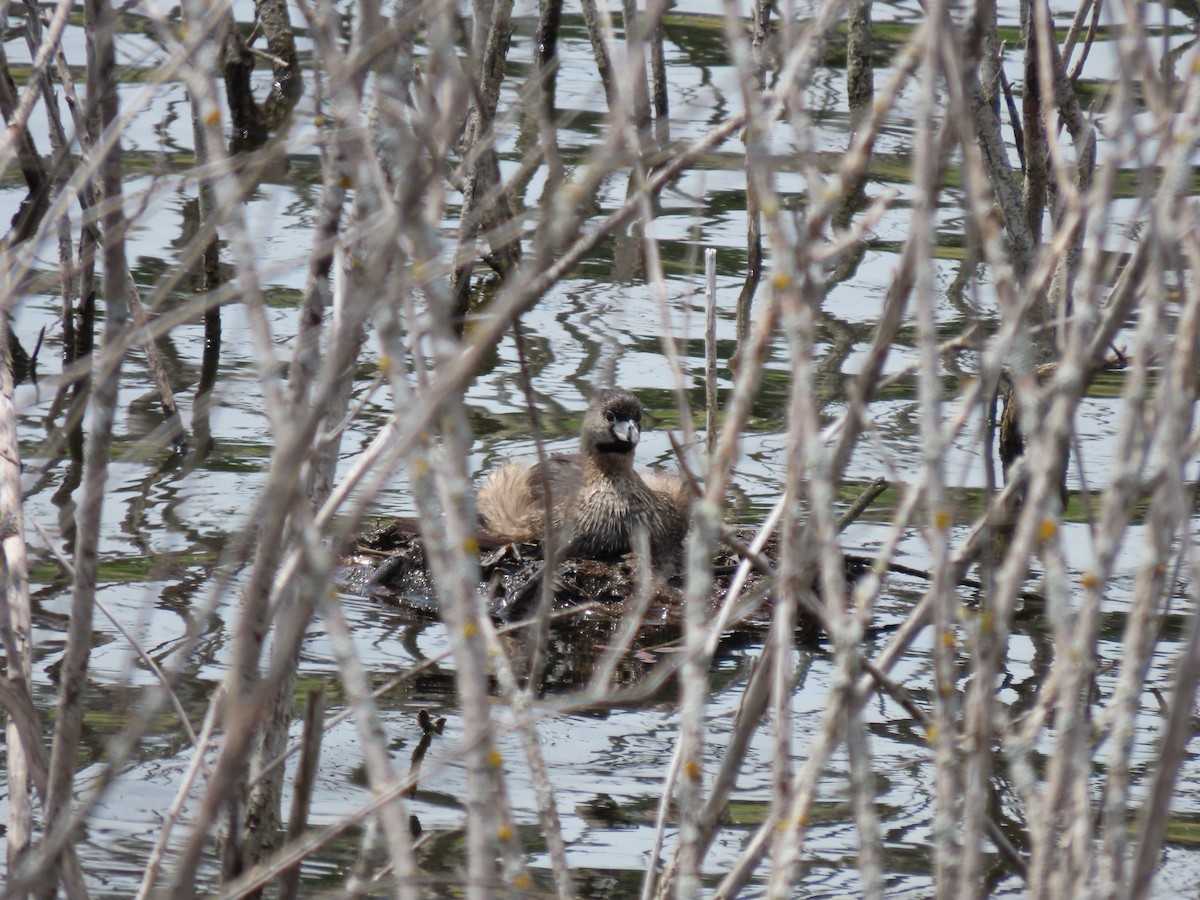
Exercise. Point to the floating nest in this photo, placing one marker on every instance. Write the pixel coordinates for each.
(594, 604)
(388, 564)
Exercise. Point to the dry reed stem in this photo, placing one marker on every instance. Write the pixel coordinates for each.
(521, 702)
(70, 709)
(19, 120)
(23, 745)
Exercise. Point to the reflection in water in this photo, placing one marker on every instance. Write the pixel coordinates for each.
(429, 728)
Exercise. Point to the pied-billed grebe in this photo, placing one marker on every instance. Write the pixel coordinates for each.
(598, 499)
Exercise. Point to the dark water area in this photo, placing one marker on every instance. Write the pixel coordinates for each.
(167, 525)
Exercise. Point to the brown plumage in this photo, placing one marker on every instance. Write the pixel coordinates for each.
(598, 499)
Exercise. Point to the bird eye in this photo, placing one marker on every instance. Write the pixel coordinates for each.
(609, 416)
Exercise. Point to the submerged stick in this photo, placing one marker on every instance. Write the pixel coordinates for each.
(306, 774)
